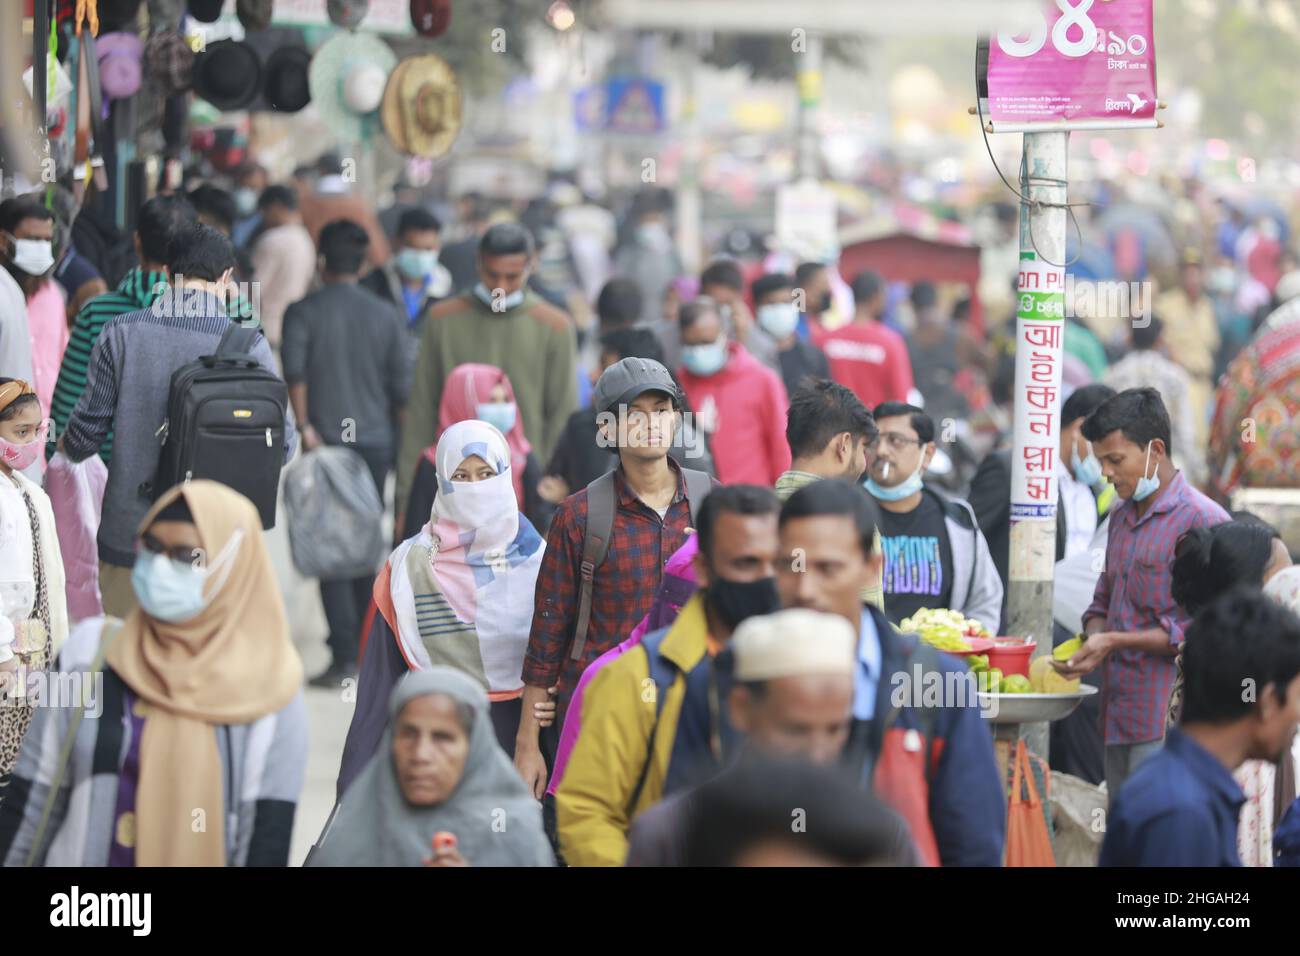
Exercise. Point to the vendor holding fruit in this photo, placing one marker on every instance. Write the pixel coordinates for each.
(1134, 626)
(935, 554)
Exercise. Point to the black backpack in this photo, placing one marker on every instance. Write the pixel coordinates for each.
(225, 422)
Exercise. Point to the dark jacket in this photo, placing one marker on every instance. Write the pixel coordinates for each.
(957, 815)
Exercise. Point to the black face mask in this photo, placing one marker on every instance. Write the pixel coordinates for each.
(824, 303)
(734, 601)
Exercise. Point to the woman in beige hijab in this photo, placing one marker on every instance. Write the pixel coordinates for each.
(201, 699)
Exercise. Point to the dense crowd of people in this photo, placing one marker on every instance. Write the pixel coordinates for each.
(653, 538)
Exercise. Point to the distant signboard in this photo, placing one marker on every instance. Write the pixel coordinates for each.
(806, 221)
(1076, 64)
(630, 105)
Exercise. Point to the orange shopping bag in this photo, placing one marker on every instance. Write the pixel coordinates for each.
(1028, 843)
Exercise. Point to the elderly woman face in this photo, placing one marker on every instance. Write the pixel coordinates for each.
(430, 747)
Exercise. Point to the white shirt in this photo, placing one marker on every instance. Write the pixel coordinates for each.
(1080, 511)
(17, 574)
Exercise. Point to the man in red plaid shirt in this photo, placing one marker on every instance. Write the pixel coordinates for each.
(640, 404)
(1134, 626)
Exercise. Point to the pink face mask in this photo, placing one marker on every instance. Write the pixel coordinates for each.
(21, 457)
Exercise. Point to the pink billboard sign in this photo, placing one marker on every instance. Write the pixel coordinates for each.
(1079, 64)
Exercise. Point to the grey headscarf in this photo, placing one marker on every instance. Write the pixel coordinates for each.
(495, 819)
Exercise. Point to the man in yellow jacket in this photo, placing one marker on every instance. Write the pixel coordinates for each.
(654, 719)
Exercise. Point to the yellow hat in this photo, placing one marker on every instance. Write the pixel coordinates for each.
(421, 109)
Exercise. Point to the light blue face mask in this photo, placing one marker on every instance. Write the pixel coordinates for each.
(416, 263)
(168, 590)
(511, 301)
(778, 319)
(171, 590)
(706, 359)
(910, 486)
(1147, 486)
(500, 414)
(1088, 471)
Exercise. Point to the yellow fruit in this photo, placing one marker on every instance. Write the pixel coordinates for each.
(1068, 649)
(1045, 680)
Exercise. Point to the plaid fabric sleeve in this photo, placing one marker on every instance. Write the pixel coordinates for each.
(555, 604)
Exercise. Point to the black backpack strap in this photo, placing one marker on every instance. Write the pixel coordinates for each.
(601, 502)
(698, 486)
(662, 674)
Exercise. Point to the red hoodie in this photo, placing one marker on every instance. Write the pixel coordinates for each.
(742, 408)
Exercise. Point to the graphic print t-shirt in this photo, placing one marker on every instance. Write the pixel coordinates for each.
(918, 559)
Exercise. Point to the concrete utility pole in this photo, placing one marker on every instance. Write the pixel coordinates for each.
(1040, 336)
(808, 78)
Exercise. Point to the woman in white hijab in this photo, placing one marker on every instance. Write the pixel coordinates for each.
(458, 594)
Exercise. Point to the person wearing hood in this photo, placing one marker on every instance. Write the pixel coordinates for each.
(739, 403)
(438, 791)
(458, 594)
(194, 751)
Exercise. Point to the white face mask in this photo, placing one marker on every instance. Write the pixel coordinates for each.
(34, 256)
(778, 319)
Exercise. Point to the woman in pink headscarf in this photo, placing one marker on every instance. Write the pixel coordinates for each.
(482, 392)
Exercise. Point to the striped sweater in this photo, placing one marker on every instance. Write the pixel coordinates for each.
(262, 769)
(137, 290)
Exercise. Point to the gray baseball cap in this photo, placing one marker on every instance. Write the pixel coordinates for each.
(626, 379)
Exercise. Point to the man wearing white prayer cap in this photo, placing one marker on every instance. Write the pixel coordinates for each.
(792, 695)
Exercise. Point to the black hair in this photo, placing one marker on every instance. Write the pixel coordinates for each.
(732, 499)
(821, 409)
(1003, 387)
(17, 208)
(619, 303)
(417, 219)
(506, 239)
(723, 272)
(923, 294)
(921, 423)
(329, 164)
(13, 408)
(805, 271)
(835, 496)
(961, 309)
(1241, 640)
(688, 313)
(756, 803)
(1138, 413)
(199, 252)
(633, 343)
(1083, 401)
(1146, 336)
(1211, 561)
(866, 285)
(277, 195)
(157, 223)
(215, 203)
(343, 243)
(177, 510)
(768, 283)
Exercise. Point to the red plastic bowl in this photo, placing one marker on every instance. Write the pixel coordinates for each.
(1011, 655)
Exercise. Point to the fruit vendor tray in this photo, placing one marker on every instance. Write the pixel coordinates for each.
(1032, 708)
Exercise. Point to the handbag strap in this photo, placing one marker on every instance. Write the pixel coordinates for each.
(41, 608)
(65, 751)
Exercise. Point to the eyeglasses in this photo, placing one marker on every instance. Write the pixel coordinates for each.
(894, 440)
